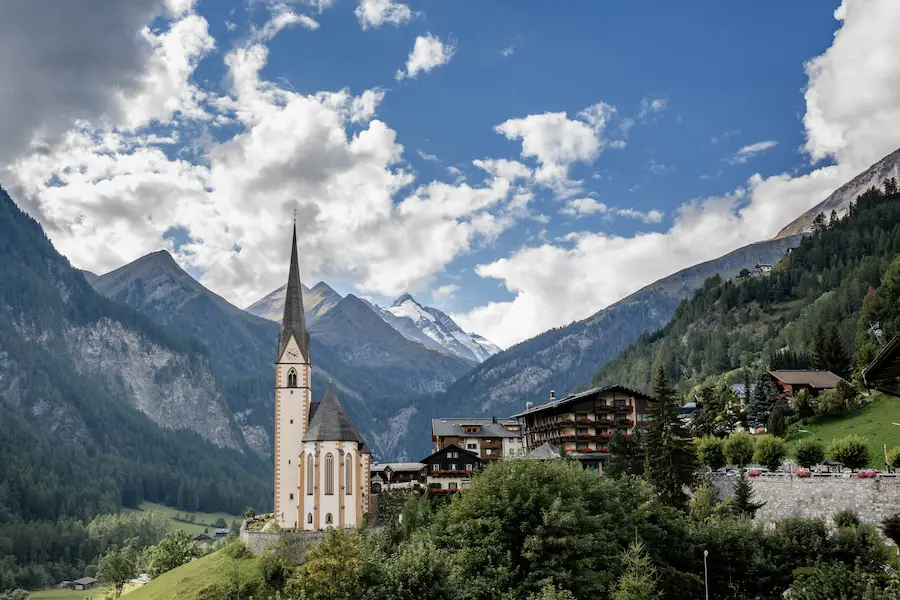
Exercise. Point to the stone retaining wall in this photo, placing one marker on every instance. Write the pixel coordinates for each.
(820, 496)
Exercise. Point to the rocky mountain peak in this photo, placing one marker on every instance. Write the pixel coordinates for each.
(405, 297)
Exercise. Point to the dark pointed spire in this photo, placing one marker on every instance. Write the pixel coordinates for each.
(294, 322)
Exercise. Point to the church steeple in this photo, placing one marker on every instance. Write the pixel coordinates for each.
(294, 322)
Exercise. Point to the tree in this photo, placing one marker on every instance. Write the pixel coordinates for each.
(220, 523)
(739, 449)
(777, 424)
(809, 454)
(117, 567)
(638, 582)
(742, 500)
(549, 592)
(250, 512)
(708, 420)
(332, 569)
(769, 451)
(883, 308)
(850, 451)
(418, 570)
(891, 528)
(711, 452)
(839, 581)
(671, 458)
(893, 458)
(890, 186)
(19, 595)
(819, 224)
(625, 456)
(174, 550)
(762, 401)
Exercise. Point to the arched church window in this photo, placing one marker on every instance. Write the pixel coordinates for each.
(329, 474)
(292, 378)
(329, 519)
(309, 518)
(348, 475)
(310, 475)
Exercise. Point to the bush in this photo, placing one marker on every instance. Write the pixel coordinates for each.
(894, 458)
(90, 571)
(250, 512)
(850, 451)
(845, 518)
(809, 454)
(711, 452)
(830, 402)
(237, 550)
(739, 449)
(769, 451)
(805, 404)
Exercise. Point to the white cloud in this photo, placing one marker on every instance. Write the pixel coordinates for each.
(651, 107)
(510, 170)
(282, 18)
(751, 151)
(429, 157)
(375, 13)
(444, 293)
(508, 51)
(658, 168)
(362, 107)
(556, 142)
(651, 216)
(584, 206)
(428, 53)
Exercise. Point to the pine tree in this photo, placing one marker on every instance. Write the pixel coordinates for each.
(838, 360)
(671, 459)
(638, 582)
(742, 500)
(820, 347)
(762, 401)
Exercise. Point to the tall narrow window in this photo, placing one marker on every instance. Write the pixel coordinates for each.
(309, 518)
(348, 475)
(310, 475)
(292, 378)
(329, 474)
(329, 519)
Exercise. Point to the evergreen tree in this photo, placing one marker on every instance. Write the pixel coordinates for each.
(742, 500)
(625, 456)
(638, 582)
(762, 401)
(671, 459)
(818, 223)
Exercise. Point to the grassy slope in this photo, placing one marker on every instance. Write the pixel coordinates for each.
(97, 593)
(193, 579)
(874, 422)
(201, 522)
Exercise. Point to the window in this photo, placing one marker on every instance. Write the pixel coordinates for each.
(348, 475)
(292, 378)
(451, 454)
(329, 474)
(435, 468)
(309, 518)
(290, 496)
(292, 421)
(471, 446)
(329, 519)
(451, 467)
(488, 451)
(452, 485)
(468, 467)
(289, 461)
(310, 475)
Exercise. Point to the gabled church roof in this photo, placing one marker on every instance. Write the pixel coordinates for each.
(330, 423)
(294, 322)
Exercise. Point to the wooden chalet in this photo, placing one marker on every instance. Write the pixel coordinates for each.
(883, 373)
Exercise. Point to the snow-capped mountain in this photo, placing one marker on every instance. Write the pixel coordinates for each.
(434, 329)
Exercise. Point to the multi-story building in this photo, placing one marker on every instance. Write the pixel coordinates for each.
(450, 469)
(583, 423)
(391, 476)
(490, 439)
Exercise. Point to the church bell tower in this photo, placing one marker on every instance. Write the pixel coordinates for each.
(292, 397)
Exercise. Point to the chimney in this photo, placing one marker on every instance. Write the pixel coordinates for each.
(552, 395)
(529, 405)
(493, 419)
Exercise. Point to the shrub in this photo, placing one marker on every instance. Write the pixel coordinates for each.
(891, 528)
(739, 449)
(845, 518)
(711, 452)
(830, 402)
(237, 550)
(850, 451)
(894, 458)
(250, 512)
(809, 454)
(769, 451)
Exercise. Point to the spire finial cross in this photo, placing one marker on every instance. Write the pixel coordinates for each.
(295, 216)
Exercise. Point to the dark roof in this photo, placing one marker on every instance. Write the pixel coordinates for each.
(824, 380)
(884, 368)
(294, 322)
(397, 467)
(85, 581)
(545, 451)
(490, 428)
(330, 423)
(581, 395)
(452, 447)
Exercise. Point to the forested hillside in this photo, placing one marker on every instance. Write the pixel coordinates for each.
(817, 291)
(72, 443)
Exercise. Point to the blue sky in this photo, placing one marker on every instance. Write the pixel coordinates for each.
(273, 105)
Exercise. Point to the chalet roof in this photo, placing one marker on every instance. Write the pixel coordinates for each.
(455, 448)
(397, 467)
(545, 451)
(330, 423)
(490, 428)
(823, 380)
(294, 321)
(884, 368)
(85, 581)
(581, 396)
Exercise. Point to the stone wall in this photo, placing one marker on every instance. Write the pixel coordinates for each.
(820, 496)
(296, 542)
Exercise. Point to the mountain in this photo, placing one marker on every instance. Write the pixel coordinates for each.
(242, 346)
(750, 321)
(840, 199)
(316, 302)
(433, 328)
(101, 407)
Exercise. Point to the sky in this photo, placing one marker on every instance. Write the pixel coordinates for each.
(518, 164)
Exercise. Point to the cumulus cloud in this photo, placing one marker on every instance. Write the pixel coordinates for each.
(508, 51)
(375, 13)
(282, 18)
(61, 62)
(444, 293)
(751, 151)
(584, 206)
(651, 107)
(428, 53)
(650, 216)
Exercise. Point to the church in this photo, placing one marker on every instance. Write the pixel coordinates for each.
(321, 462)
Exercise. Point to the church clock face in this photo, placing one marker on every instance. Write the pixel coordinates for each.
(293, 354)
